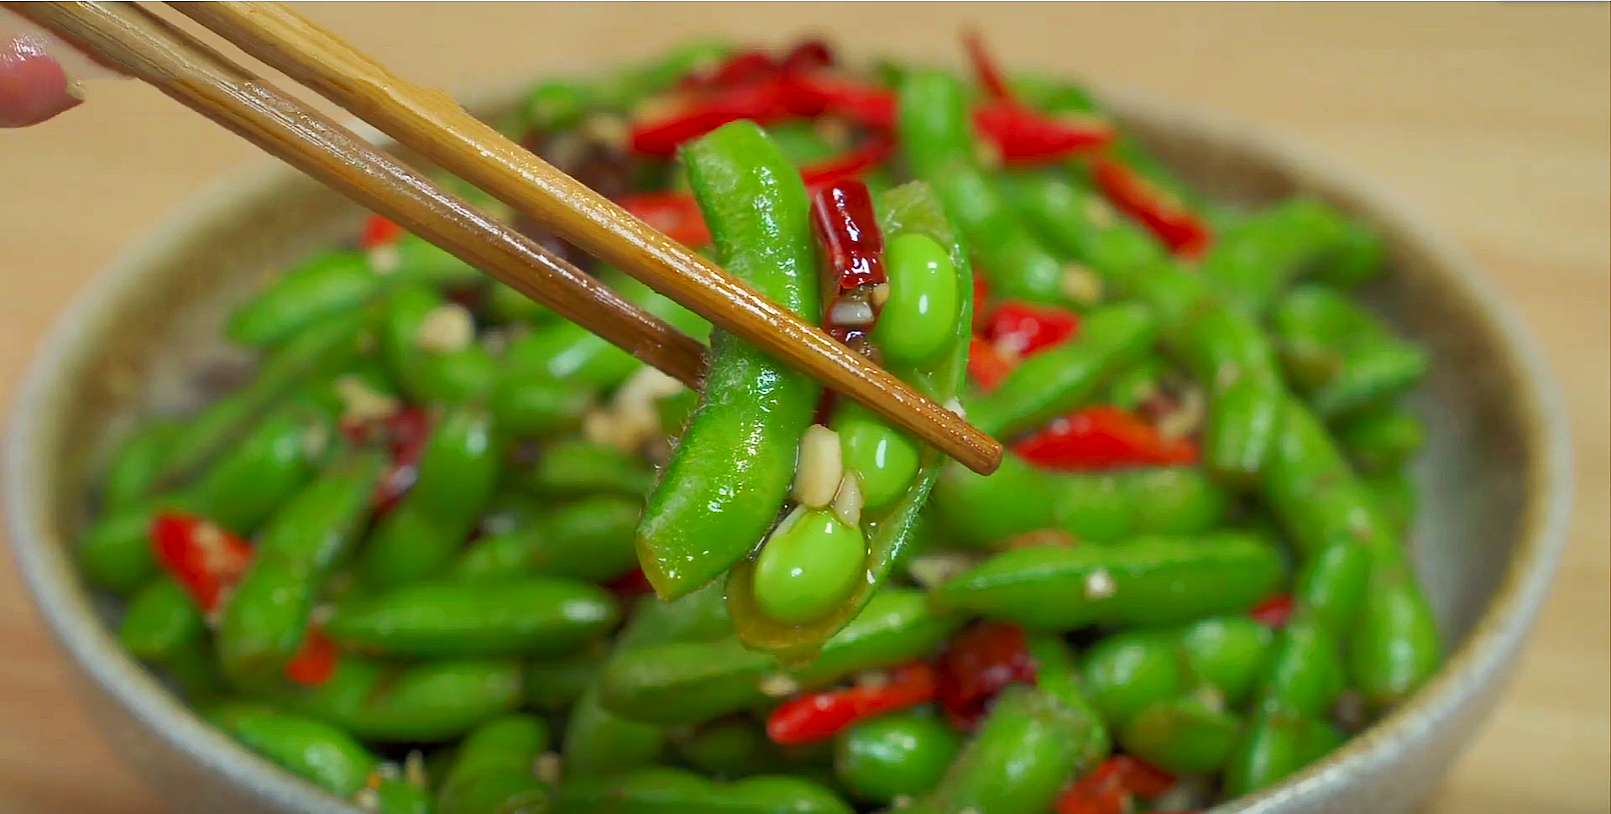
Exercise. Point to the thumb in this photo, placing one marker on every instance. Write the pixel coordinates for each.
(39, 74)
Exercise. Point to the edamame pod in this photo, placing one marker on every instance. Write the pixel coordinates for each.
(311, 749)
(428, 702)
(590, 539)
(327, 284)
(136, 464)
(1146, 580)
(457, 474)
(1020, 759)
(893, 755)
(534, 616)
(732, 469)
(673, 791)
(492, 773)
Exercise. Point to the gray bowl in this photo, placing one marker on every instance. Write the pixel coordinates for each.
(1494, 479)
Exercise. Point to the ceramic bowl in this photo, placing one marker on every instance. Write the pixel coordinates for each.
(1493, 479)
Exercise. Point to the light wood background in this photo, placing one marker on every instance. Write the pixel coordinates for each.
(1494, 120)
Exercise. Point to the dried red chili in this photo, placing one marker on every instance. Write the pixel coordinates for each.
(675, 214)
(1022, 135)
(984, 66)
(406, 432)
(846, 228)
(761, 101)
(981, 661)
(1114, 787)
(848, 165)
(1181, 230)
(1103, 438)
(819, 716)
(314, 661)
(379, 231)
(986, 368)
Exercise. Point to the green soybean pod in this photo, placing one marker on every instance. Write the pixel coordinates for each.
(534, 616)
(919, 318)
(1370, 373)
(980, 511)
(675, 791)
(458, 473)
(331, 341)
(267, 616)
(427, 702)
(685, 682)
(270, 463)
(1396, 497)
(1146, 580)
(734, 465)
(574, 467)
(1059, 379)
(161, 619)
(937, 140)
(311, 749)
(1132, 670)
(136, 463)
(1227, 652)
(896, 626)
(589, 539)
(729, 748)
(492, 772)
(1057, 674)
(893, 755)
(397, 796)
(1255, 259)
(555, 684)
(1186, 735)
(1104, 507)
(1383, 439)
(598, 742)
(1020, 759)
(114, 552)
(327, 284)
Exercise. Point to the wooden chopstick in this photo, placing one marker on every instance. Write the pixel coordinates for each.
(432, 123)
(186, 69)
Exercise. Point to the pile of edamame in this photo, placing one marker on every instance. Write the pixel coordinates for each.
(445, 552)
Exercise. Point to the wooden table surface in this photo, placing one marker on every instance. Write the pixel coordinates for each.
(1493, 120)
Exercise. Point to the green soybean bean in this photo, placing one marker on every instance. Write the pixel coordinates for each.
(1130, 671)
(534, 616)
(327, 284)
(1228, 653)
(901, 754)
(554, 684)
(937, 139)
(576, 467)
(266, 617)
(492, 772)
(1187, 735)
(808, 566)
(1020, 759)
(674, 791)
(1059, 379)
(1146, 580)
(589, 539)
(428, 702)
(919, 318)
(735, 462)
(136, 464)
(1382, 440)
(332, 341)
(884, 460)
(161, 619)
(311, 749)
(458, 471)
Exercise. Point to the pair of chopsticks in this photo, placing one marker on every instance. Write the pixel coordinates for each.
(430, 122)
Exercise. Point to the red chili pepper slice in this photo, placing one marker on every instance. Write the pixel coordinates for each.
(675, 214)
(1114, 787)
(986, 368)
(761, 101)
(1022, 135)
(1103, 438)
(982, 661)
(849, 165)
(1182, 231)
(200, 555)
(820, 716)
(1273, 612)
(379, 231)
(407, 431)
(984, 65)
(1020, 329)
(846, 228)
(314, 661)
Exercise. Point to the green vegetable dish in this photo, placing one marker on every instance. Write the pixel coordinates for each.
(447, 552)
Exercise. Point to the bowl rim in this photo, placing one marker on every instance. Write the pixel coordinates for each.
(64, 600)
